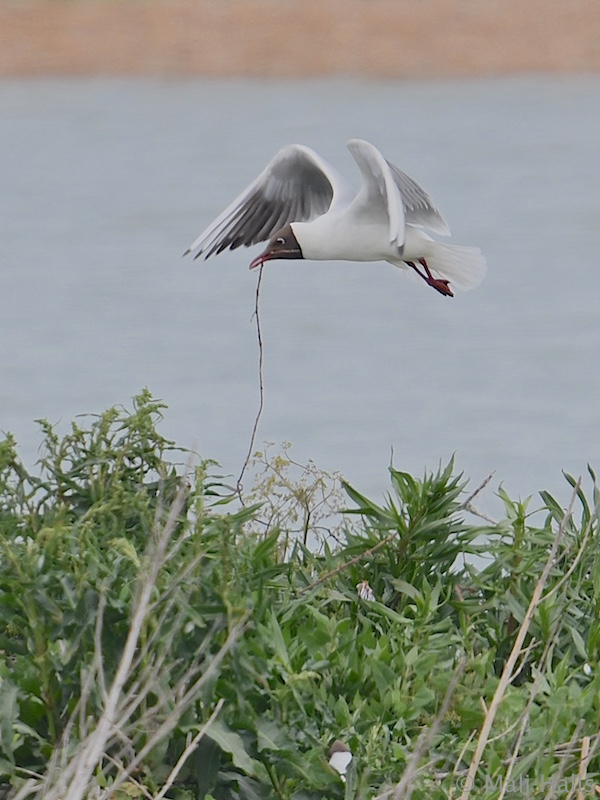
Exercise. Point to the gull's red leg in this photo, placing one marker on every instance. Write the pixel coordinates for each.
(416, 269)
(439, 284)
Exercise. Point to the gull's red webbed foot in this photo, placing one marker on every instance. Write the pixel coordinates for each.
(439, 284)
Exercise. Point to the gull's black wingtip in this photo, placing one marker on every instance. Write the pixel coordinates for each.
(191, 250)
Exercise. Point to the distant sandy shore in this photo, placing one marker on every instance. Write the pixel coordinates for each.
(299, 38)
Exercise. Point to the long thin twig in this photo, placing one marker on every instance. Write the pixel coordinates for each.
(583, 765)
(261, 388)
(562, 766)
(516, 748)
(523, 719)
(352, 561)
(73, 782)
(188, 752)
(509, 667)
(188, 693)
(466, 503)
(573, 566)
(455, 770)
(404, 788)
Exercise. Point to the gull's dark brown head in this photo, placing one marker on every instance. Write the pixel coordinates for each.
(283, 244)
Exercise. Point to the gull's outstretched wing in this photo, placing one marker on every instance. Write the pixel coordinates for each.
(379, 198)
(392, 191)
(296, 186)
(418, 206)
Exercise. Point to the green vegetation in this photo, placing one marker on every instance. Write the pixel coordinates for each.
(158, 638)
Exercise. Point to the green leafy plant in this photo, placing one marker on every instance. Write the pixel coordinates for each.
(160, 639)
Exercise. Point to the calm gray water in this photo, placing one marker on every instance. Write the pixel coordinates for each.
(103, 183)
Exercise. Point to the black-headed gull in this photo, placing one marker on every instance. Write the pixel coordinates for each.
(306, 209)
(339, 757)
(364, 591)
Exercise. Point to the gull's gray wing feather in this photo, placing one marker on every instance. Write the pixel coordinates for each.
(296, 186)
(379, 196)
(419, 208)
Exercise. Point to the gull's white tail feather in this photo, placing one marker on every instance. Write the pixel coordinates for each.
(464, 267)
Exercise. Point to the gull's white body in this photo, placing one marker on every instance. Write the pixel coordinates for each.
(382, 221)
(354, 237)
(340, 757)
(340, 762)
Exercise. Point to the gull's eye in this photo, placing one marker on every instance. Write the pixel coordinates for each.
(280, 240)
